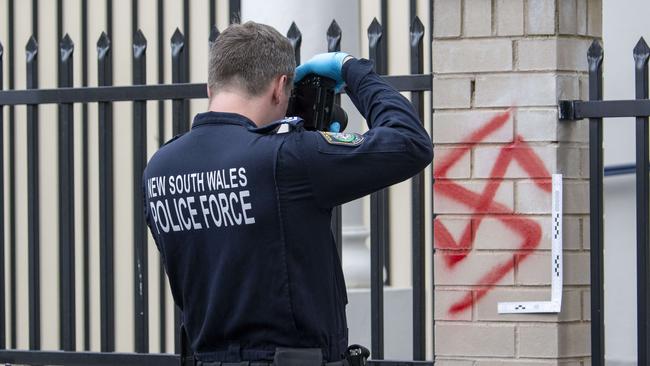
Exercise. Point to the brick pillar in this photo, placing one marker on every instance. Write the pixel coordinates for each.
(500, 66)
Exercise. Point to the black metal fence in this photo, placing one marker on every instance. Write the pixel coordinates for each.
(596, 109)
(179, 92)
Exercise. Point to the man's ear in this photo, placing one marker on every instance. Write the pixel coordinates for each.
(209, 92)
(279, 88)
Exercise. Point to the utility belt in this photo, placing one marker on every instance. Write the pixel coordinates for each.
(355, 355)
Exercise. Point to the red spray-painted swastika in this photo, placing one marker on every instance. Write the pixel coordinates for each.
(482, 205)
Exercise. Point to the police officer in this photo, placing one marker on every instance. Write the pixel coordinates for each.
(241, 213)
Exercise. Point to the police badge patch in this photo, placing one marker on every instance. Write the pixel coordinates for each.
(342, 138)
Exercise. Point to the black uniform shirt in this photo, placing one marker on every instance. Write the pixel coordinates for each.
(242, 216)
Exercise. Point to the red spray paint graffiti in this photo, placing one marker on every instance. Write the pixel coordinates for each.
(483, 204)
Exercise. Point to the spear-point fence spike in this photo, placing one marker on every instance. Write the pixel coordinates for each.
(139, 145)
(641, 55)
(66, 47)
(67, 329)
(641, 52)
(139, 44)
(378, 224)
(180, 117)
(374, 32)
(334, 30)
(375, 46)
(33, 201)
(106, 198)
(334, 34)
(31, 48)
(595, 59)
(416, 31)
(214, 34)
(178, 42)
(333, 37)
(294, 35)
(418, 251)
(103, 45)
(295, 38)
(595, 55)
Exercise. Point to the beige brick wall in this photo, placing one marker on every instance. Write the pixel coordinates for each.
(499, 68)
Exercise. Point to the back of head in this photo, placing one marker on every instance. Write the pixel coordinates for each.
(246, 57)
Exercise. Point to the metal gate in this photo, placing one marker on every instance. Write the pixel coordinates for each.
(179, 92)
(596, 109)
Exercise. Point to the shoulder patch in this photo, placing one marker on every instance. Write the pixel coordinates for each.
(342, 138)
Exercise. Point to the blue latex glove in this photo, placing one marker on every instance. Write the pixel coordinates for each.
(324, 64)
(335, 127)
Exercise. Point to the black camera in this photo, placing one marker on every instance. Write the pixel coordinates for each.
(312, 99)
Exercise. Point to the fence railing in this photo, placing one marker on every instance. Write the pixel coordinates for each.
(179, 92)
(596, 109)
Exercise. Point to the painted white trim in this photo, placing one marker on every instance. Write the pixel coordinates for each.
(555, 305)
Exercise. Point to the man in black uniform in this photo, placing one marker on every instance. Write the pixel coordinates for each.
(241, 213)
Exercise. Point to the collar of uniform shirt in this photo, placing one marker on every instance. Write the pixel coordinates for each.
(221, 118)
